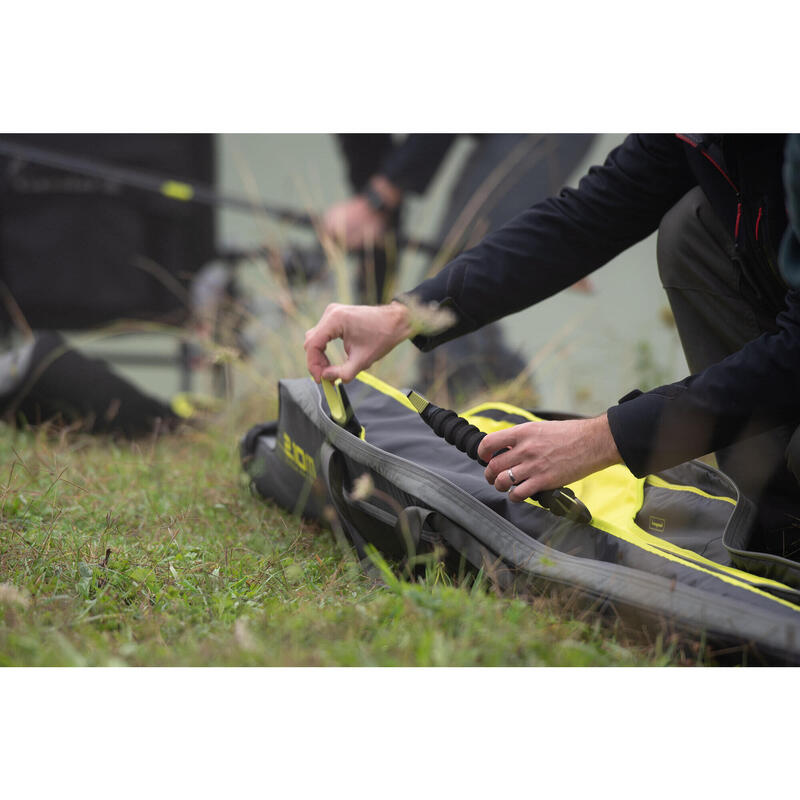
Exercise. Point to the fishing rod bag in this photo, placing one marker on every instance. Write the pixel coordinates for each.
(670, 547)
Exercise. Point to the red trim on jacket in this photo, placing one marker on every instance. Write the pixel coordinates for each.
(705, 153)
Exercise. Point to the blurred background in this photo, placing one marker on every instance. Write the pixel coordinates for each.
(584, 349)
(587, 349)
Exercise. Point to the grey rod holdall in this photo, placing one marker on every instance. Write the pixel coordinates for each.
(670, 548)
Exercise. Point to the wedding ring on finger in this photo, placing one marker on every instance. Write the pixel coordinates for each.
(511, 477)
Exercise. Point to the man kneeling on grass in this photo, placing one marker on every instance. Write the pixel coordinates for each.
(717, 202)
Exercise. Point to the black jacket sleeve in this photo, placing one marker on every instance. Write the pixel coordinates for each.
(752, 390)
(552, 244)
(558, 241)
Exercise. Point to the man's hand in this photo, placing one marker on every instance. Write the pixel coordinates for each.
(546, 455)
(367, 332)
(355, 223)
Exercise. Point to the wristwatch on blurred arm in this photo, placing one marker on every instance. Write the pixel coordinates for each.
(382, 196)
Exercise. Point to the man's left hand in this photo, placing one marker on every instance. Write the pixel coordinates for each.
(354, 223)
(546, 455)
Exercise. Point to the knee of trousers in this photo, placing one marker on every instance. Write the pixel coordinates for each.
(678, 228)
(793, 455)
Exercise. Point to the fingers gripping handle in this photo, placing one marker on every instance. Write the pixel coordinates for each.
(341, 410)
(458, 432)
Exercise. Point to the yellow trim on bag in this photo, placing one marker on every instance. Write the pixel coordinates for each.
(385, 388)
(617, 523)
(654, 480)
(506, 408)
(487, 424)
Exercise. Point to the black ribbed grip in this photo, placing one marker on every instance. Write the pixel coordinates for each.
(454, 430)
(466, 437)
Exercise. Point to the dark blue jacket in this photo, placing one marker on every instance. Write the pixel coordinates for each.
(554, 243)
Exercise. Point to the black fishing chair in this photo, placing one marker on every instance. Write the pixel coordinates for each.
(78, 252)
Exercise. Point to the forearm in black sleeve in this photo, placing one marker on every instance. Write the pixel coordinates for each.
(560, 240)
(753, 390)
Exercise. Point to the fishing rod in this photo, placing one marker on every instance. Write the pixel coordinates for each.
(172, 188)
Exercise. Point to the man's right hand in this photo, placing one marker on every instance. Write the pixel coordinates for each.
(367, 332)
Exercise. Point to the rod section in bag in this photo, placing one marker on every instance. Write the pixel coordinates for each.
(464, 436)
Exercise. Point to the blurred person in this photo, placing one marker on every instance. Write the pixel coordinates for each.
(717, 202)
(503, 175)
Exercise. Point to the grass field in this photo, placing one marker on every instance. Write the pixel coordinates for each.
(155, 553)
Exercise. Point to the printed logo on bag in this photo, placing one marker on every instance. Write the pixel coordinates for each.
(298, 459)
(657, 524)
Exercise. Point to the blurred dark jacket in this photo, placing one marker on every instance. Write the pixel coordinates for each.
(410, 164)
(789, 256)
